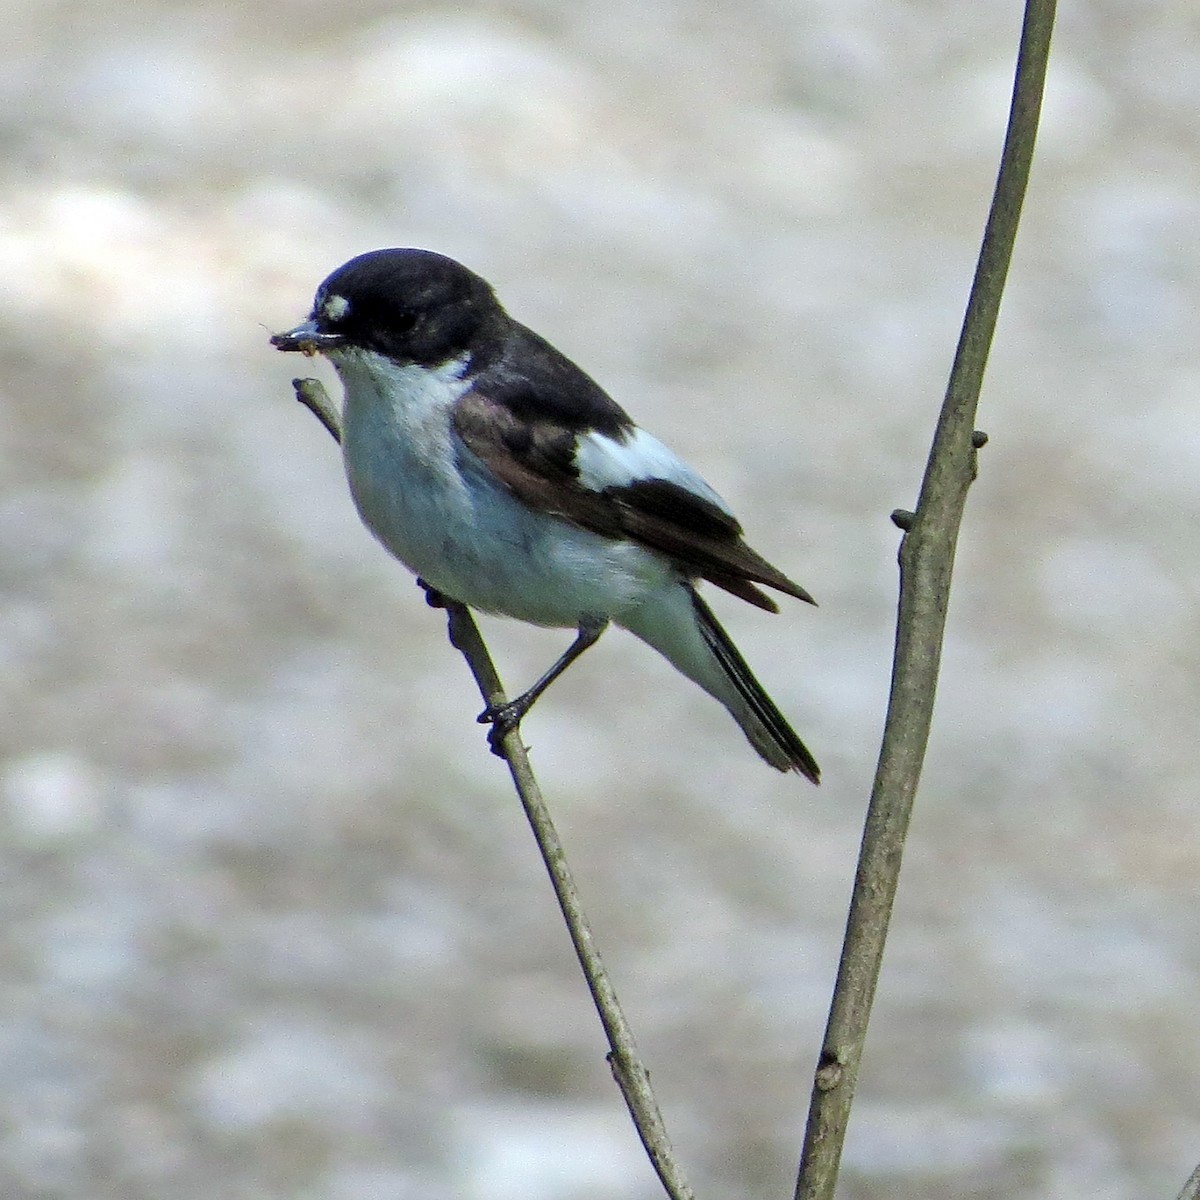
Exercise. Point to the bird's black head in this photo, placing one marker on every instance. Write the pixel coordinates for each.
(411, 305)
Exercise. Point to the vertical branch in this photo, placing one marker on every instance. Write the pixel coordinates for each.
(926, 565)
(1191, 1189)
(624, 1059)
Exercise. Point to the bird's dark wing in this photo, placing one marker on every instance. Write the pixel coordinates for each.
(535, 453)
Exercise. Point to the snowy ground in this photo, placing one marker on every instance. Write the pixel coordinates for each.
(271, 924)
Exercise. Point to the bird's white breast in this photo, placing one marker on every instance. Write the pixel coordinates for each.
(397, 447)
(439, 510)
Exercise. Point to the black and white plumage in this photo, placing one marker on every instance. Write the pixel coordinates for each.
(507, 479)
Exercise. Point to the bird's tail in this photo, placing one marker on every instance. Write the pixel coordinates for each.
(697, 645)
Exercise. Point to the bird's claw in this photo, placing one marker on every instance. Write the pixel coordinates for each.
(433, 597)
(503, 719)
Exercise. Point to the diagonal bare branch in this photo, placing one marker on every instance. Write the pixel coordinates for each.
(627, 1067)
(1191, 1189)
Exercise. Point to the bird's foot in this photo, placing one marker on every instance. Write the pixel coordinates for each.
(433, 597)
(503, 719)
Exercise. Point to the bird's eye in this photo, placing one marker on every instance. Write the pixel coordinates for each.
(404, 321)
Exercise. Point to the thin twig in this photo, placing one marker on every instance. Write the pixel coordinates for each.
(627, 1067)
(1191, 1189)
(926, 565)
(312, 394)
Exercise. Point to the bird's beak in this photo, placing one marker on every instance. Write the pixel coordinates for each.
(307, 339)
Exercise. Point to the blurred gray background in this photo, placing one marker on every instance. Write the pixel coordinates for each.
(272, 924)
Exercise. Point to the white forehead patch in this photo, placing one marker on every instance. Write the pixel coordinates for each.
(334, 308)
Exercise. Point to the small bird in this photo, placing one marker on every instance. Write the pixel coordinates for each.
(503, 476)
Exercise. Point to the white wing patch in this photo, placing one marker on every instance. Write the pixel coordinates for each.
(604, 462)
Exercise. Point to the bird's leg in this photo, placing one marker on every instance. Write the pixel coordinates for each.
(505, 717)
